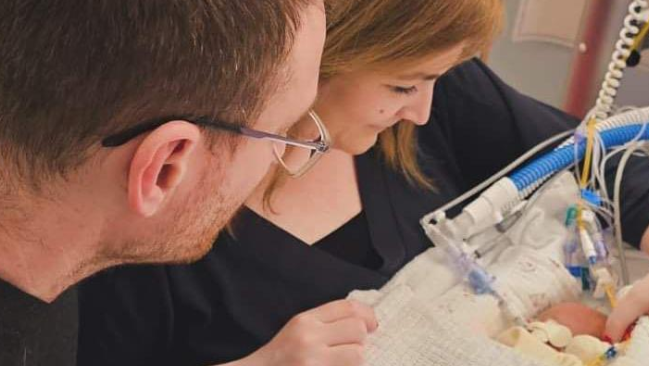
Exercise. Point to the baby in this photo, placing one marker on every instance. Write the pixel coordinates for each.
(430, 315)
(568, 334)
(427, 315)
(579, 318)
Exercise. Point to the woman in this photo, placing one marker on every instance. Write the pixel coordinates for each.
(353, 220)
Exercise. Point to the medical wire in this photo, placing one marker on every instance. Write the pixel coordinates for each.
(616, 219)
(610, 354)
(589, 152)
(584, 177)
(641, 36)
(602, 168)
(601, 111)
(610, 293)
(616, 210)
(475, 271)
(593, 150)
(481, 187)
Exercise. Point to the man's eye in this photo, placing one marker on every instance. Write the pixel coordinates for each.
(403, 89)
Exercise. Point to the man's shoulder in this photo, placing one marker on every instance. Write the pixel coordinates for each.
(33, 332)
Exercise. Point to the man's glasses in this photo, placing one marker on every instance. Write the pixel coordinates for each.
(296, 155)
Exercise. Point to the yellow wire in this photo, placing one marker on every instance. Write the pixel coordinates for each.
(640, 37)
(599, 361)
(602, 359)
(589, 152)
(587, 162)
(610, 293)
(580, 221)
(596, 362)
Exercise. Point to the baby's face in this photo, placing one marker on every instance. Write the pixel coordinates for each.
(581, 319)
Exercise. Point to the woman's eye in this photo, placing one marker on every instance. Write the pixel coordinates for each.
(403, 90)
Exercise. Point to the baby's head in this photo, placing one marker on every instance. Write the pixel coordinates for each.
(579, 318)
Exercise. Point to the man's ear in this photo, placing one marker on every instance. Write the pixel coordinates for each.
(159, 165)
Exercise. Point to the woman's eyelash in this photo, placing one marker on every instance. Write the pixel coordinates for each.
(403, 90)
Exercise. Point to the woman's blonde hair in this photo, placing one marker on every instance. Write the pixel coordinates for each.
(388, 34)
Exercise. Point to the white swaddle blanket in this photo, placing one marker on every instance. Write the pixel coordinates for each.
(428, 316)
(454, 328)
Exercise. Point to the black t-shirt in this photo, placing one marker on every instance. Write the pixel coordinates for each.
(249, 285)
(351, 243)
(34, 333)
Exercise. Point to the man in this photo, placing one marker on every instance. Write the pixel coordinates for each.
(122, 140)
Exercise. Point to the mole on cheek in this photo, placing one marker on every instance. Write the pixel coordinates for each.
(381, 111)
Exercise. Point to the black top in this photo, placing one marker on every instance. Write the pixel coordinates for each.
(245, 289)
(33, 333)
(351, 243)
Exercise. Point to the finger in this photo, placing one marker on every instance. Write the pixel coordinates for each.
(348, 355)
(346, 331)
(342, 309)
(627, 311)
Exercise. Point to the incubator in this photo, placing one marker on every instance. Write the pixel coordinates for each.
(543, 231)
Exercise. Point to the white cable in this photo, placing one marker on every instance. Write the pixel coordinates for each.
(611, 83)
(618, 215)
(480, 187)
(602, 167)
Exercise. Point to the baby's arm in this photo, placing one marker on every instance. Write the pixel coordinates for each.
(630, 307)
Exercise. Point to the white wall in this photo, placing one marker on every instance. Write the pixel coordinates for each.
(543, 69)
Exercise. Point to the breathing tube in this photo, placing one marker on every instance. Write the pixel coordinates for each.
(563, 157)
(488, 208)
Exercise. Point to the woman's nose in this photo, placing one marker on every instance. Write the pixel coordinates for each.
(418, 111)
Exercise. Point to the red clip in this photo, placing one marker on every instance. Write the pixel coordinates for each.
(629, 331)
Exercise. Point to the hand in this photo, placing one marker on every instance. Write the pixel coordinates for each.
(630, 307)
(330, 335)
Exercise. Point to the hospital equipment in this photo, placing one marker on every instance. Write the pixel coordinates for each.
(604, 133)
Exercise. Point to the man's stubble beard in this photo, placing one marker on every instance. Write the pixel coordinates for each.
(194, 227)
(189, 232)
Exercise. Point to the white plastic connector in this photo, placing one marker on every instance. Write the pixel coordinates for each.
(592, 225)
(487, 209)
(604, 281)
(434, 233)
(588, 246)
(589, 219)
